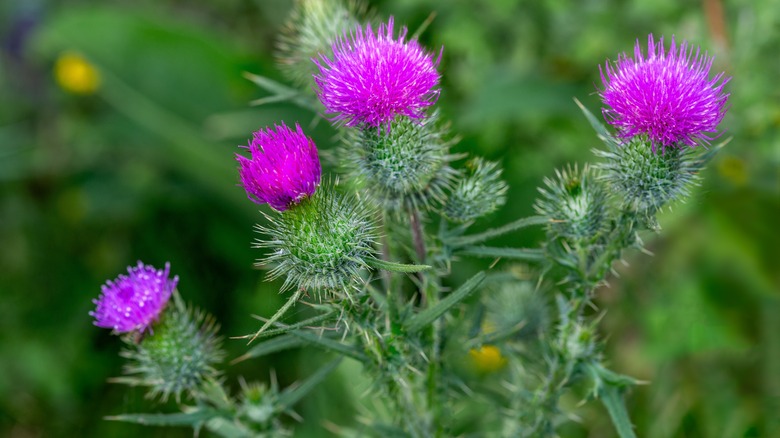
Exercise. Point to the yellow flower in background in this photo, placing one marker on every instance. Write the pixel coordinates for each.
(487, 359)
(75, 74)
(733, 169)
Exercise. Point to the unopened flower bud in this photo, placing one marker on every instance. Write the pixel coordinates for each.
(478, 194)
(575, 202)
(313, 27)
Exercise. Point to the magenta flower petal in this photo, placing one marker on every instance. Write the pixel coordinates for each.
(134, 301)
(283, 169)
(666, 95)
(374, 77)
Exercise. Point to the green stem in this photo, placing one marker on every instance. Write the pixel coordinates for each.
(417, 235)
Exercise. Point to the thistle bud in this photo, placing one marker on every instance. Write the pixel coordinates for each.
(260, 409)
(575, 202)
(664, 95)
(478, 194)
(406, 166)
(311, 30)
(178, 357)
(323, 243)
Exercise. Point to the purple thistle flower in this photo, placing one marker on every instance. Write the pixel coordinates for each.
(666, 95)
(284, 167)
(374, 77)
(134, 301)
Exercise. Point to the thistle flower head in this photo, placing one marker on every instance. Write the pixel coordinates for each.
(516, 304)
(665, 95)
(133, 302)
(373, 77)
(283, 169)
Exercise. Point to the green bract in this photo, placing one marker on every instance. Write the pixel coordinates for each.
(405, 167)
(321, 244)
(643, 180)
(178, 356)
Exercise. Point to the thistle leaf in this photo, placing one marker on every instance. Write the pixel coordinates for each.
(294, 394)
(279, 313)
(193, 418)
(426, 317)
(599, 127)
(279, 343)
(395, 267)
(279, 92)
(528, 254)
(283, 328)
(495, 232)
(611, 397)
(329, 345)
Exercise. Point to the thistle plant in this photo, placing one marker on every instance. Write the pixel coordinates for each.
(345, 250)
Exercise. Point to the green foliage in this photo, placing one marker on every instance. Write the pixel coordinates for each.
(480, 193)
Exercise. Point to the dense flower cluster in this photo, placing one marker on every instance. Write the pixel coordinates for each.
(666, 95)
(283, 169)
(373, 77)
(132, 302)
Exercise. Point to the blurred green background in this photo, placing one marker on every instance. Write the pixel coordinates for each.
(143, 168)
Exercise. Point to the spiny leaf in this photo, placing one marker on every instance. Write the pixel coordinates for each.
(178, 419)
(286, 328)
(529, 254)
(612, 398)
(329, 345)
(279, 313)
(601, 130)
(294, 394)
(279, 92)
(280, 343)
(495, 232)
(395, 267)
(426, 317)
